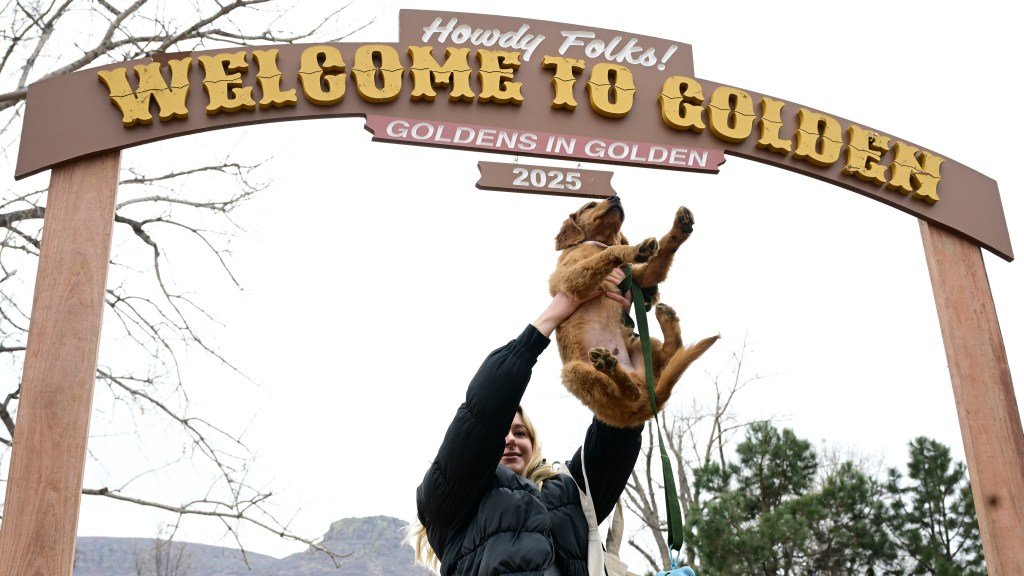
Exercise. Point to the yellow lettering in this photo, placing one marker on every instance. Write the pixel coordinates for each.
(771, 124)
(318, 86)
(564, 79)
(427, 73)
(365, 73)
(819, 138)
(222, 82)
(269, 78)
(497, 69)
(864, 154)
(680, 104)
(916, 172)
(602, 86)
(134, 105)
(731, 114)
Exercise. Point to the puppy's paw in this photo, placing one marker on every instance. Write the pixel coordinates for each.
(665, 311)
(684, 219)
(602, 359)
(646, 250)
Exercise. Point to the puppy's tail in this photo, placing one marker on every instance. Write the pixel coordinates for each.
(678, 364)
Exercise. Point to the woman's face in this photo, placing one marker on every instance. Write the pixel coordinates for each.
(518, 447)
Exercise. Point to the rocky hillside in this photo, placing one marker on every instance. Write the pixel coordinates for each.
(376, 547)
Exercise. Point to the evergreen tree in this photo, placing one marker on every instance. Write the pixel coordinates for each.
(769, 513)
(850, 536)
(753, 520)
(932, 515)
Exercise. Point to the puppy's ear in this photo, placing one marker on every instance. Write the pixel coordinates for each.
(622, 239)
(570, 235)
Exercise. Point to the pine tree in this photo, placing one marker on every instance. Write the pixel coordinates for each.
(850, 536)
(754, 520)
(932, 515)
(769, 513)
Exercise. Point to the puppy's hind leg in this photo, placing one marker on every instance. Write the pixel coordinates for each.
(675, 367)
(592, 387)
(603, 394)
(669, 321)
(606, 363)
(661, 352)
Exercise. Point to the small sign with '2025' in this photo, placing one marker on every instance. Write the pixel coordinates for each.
(545, 180)
(551, 178)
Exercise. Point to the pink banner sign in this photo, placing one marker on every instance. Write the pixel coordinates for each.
(544, 144)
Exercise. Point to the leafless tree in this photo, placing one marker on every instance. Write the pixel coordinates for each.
(832, 456)
(693, 438)
(164, 558)
(151, 304)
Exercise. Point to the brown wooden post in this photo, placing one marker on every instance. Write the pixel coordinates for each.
(44, 488)
(987, 408)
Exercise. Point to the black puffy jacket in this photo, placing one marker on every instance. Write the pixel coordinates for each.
(482, 519)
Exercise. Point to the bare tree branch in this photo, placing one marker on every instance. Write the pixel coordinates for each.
(693, 438)
(224, 511)
(46, 30)
(5, 415)
(157, 317)
(124, 29)
(650, 559)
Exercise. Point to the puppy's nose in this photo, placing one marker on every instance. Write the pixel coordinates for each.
(614, 200)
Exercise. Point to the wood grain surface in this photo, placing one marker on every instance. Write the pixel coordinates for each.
(37, 537)
(986, 405)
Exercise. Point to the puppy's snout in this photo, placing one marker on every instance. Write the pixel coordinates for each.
(614, 200)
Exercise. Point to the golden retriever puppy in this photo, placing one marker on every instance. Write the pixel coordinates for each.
(602, 362)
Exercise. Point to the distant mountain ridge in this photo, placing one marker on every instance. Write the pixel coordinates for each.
(376, 545)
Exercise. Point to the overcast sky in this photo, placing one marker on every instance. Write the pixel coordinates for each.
(377, 277)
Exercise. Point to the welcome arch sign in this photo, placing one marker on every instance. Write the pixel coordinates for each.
(487, 83)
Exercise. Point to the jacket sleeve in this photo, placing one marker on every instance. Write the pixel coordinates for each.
(611, 454)
(472, 447)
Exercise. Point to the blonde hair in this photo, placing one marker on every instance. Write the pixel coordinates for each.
(537, 470)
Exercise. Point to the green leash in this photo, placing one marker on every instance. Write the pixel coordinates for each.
(675, 516)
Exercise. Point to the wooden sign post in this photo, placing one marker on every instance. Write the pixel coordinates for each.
(44, 488)
(986, 406)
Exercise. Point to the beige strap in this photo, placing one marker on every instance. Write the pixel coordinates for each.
(595, 553)
(599, 562)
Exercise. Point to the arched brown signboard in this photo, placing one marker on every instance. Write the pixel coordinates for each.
(501, 84)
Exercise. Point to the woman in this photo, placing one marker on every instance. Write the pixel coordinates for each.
(489, 504)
